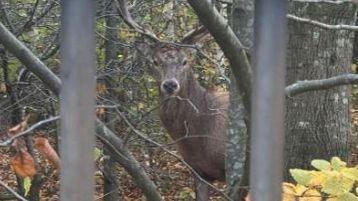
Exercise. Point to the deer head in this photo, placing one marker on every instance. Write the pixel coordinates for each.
(168, 63)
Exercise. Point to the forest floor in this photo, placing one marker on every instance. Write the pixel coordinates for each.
(171, 176)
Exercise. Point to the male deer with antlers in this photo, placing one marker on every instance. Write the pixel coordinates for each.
(195, 118)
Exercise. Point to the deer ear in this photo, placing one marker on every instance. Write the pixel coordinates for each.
(143, 48)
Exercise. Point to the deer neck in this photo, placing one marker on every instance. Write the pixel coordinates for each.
(179, 110)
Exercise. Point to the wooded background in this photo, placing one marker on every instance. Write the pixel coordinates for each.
(319, 124)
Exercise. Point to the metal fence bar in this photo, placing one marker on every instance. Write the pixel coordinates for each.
(268, 100)
(77, 100)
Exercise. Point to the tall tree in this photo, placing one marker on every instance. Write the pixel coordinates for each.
(241, 18)
(111, 184)
(318, 123)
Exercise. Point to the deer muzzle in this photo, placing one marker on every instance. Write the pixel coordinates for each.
(170, 86)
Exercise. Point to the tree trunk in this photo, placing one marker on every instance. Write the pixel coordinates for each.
(111, 184)
(241, 16)
(318, 123)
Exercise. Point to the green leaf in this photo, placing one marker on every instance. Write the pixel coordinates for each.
(321, 164)
(302, 177)
(351, 173)
(337, 184)
(337, 163)
(347, 197)
(27, 185)
(97, 153)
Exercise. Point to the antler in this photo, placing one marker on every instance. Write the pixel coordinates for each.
(191, 37)
(123, 10)
(195, 35)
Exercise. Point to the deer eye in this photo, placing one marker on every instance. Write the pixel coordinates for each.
(184, 62)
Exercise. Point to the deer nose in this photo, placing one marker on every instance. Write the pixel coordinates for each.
(170, 86)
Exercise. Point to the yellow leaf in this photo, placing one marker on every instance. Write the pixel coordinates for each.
(347, 197)
(318, 178)
(311, 195)
(288, 192)
(337, 163)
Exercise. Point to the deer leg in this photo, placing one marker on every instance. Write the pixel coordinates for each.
(201, 190)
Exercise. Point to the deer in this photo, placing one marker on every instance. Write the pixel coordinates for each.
(195, 118)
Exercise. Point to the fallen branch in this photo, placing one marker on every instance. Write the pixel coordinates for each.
(314, 85)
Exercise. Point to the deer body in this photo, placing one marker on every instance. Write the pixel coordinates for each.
(195, 118)
(198, 128)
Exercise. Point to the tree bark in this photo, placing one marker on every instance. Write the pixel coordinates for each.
(241, 18)
(318, 123)
(111, 184)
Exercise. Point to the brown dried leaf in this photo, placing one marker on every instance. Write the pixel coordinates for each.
(19, 127)
(45, 148)
(23, 164)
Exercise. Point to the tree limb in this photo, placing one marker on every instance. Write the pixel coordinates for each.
(326, 1)
(36, 66)
(229, 43)
(239, 63)
(314, 85)
(323, 25)
(26, 57)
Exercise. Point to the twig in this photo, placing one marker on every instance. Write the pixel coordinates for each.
(33, 127)
(143, 136)
(323, 25)
(12, 191)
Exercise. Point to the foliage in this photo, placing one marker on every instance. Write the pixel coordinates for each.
(331, 179)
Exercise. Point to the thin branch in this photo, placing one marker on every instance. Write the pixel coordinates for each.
(27, 131)
(12, 191)
(314, 85)
(326, 1)
(144, 137)
(323, 25)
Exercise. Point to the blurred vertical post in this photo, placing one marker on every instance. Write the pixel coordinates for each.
(268, 100)
(77, 100)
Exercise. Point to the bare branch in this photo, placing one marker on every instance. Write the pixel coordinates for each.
(26, 57)
(326, 1)
(12, 191)
(314, 85)
(323, 25)
(27, 131)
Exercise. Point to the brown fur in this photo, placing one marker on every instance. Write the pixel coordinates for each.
(195, 118)
(206, 154)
